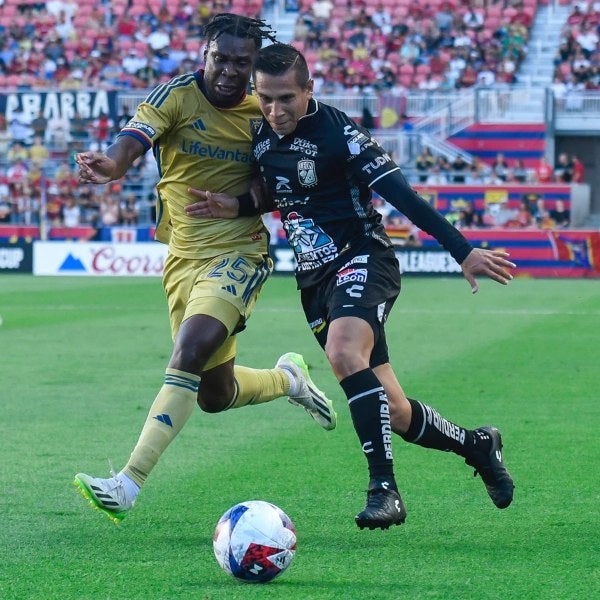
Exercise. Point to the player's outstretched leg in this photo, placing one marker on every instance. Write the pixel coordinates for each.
(384, 508)
(111, 496)
(305, 393)
(486, 459)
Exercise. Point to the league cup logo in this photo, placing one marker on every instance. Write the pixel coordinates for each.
(307, 173)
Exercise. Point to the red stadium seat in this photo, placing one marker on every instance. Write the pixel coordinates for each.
(406, 69)
(125, 44)
(406, 80)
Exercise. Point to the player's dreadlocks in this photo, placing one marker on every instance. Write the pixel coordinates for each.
(239, 26)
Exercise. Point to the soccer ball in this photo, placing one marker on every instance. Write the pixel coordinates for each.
(254, 541)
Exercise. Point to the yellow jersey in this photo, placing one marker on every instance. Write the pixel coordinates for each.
(198, 145)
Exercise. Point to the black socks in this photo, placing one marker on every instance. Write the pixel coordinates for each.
(371, 418)
(430, 430)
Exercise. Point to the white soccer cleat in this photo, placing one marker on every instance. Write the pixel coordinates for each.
(314, 401)
(106, 495)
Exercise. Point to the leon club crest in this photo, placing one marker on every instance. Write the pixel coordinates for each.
(307, 173)
(255, 125)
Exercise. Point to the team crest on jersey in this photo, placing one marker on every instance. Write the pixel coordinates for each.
(254, 125)
(307, 172)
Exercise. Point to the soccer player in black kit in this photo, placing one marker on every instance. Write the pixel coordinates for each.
(320, 168)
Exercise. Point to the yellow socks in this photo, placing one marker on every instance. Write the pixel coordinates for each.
(176, 401)
(171, 409)
(255, 386)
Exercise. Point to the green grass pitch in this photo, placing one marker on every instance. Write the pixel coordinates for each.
(81, 360)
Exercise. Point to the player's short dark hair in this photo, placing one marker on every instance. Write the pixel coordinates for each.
(278, 59)
(239, 26)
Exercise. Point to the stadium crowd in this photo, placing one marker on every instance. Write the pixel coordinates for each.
(358, 46)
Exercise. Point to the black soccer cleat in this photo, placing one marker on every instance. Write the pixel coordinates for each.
(384, 508)
(488, 464)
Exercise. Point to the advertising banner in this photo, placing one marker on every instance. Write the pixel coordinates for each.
(15, 258)
(99, 259)
(416, 261)
(565, 253)
(88, 103)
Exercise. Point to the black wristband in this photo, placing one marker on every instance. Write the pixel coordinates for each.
(246, 206)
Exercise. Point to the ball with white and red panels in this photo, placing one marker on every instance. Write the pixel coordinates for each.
(254, 541)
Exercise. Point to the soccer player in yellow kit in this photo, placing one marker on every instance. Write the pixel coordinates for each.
(199, 126)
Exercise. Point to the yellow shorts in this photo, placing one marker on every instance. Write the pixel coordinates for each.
(225, 287)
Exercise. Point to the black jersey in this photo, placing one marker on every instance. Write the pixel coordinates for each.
(320, 177)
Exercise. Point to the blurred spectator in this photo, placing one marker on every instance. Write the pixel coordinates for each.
(166, 64)
(444, 17)
(435, 176)
(321, 11)
(159, 39)
(130, 210)
(5, 136)
(498, 214)
(56, 7)
(459, 169)
(125, 115)
(563, 170)
(17, 153)
(54, 206)
(147, 76)
(560, 215)
(66, 177)
(500, 168)
(578, 170)
(38, 152)
(64, 27)
(478, 172)
(20, 127)
(541, 215)
(26, 205)
(102, 131)
(473, 18)
(486, 77)
(524, 215)
(79, 128)
(134, 61)
(39, 124)
(111, 73)
(544, 172)
(88, 201)
(423, 163)
(71, 212)
(519, 172)
(17, 173)
(382, 18)
(109, 210)
(4, 210)
(58, 133)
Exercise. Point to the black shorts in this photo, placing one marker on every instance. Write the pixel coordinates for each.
(366, 286)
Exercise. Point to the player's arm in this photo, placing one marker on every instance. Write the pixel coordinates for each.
(256, 201)
(113, 163)
(394, 188)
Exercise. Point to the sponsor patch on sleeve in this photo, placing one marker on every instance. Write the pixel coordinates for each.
(143, 128)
